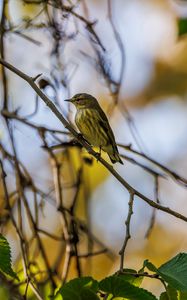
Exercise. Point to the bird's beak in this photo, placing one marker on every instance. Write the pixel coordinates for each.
(68, 100)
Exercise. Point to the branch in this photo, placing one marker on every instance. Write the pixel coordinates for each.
(121, 49)
(153, 217)
(127, 235)
(177, 178)
(77, 136)
(19, 233)
(13, 115)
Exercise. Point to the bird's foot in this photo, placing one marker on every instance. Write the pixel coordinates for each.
(98, 156)
(80, 135)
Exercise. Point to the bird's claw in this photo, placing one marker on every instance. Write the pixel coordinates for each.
(80, 135)
(98, 155)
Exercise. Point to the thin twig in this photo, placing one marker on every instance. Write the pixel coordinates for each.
(66, 124)
(22, 241)
(177, 178)
(99, 252)
(15, 116)
(122, 52)
(127, 234)
(115, 95)
(153, 217)
(59, 200)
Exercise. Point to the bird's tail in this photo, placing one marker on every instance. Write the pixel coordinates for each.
(114, 157)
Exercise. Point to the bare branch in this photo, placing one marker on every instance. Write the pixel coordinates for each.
(153, 217)
(66, 124)
(127, 235)
(177, 178)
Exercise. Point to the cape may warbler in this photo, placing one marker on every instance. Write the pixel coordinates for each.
(94, 126)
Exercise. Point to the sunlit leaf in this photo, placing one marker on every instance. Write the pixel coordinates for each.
(136, 281)
(173, 294)
(182, 295)
(4, 294)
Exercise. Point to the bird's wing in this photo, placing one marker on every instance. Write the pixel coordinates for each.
(103, 121)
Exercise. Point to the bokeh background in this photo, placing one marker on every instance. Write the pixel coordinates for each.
(154, 88)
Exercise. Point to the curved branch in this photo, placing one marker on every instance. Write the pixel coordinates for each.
(77, 136)
(177, 178)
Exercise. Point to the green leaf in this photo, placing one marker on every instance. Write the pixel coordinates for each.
(164, 296)
(171, 294)
(87, 294)
(5, 258)
(174, 272)
(136, 281)
(118, 287)
(4, 294)
(182, 295)
(182, 27)
(150, 266)
(84, 288)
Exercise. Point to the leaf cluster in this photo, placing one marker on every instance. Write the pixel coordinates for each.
(127, 285)
(124, 285)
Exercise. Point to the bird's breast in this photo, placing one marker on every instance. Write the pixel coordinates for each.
(86, 123)
(83, 120)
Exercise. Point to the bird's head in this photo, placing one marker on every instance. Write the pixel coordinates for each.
(83, 100)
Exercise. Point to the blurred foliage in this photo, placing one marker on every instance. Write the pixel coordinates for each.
(4, 293)
(182, 27)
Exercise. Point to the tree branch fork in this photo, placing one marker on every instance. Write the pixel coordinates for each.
(31, 81)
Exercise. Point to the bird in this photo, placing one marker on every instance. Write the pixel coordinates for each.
(93, 124)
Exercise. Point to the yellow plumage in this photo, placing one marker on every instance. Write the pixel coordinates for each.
(94, 126)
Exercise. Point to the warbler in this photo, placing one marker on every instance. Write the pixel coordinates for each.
(94, 126)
